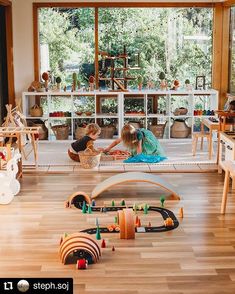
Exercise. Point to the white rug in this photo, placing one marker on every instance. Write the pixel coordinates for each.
(178, 152)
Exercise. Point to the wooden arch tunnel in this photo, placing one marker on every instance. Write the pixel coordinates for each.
(80, 244)
(126, 223)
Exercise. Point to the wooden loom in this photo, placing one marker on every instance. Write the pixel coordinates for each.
(15, 125)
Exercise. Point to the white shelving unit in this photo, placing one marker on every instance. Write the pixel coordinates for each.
(155, 107)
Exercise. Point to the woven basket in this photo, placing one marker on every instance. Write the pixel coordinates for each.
(80, 133)
(89, 158)
(107, 132)
(158, 130)
(61, 132)
(36, 111)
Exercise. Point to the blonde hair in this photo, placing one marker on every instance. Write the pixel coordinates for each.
(129, 136)
(92, 129)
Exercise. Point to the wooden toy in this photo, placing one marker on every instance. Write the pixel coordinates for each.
(98, 236)
(169, 222)
(82, 264)
(113, 248)
(84, 207)
(78, 198)
(145, 209)
(162, 200)
(114, 228)
(103, 244)
(89, 209)
(126, 223)
(134, 177)
(181, 212)
(78, 246)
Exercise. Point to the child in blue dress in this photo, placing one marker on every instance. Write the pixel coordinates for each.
(138, 141)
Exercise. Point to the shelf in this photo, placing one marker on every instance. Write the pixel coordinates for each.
(144, 99)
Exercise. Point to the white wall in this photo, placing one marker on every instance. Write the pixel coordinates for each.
(23, 39)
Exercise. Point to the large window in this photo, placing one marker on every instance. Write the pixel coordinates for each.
(177, 41)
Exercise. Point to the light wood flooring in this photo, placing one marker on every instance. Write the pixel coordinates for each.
(197, 257)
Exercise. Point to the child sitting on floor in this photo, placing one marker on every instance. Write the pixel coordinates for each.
(138, 141)
(92, 133)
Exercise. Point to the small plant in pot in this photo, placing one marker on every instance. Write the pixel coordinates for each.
(58, 83)
(140, 82)
(163, 84)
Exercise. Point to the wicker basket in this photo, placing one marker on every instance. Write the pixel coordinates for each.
(36, 111)
(158, 130)
(61, 132)
(80, 133)
(89, 158)
(107, 132)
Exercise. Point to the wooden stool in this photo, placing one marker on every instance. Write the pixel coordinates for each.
(195, 137)
(229, 168)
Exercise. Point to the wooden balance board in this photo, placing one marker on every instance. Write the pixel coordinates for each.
(134, 177)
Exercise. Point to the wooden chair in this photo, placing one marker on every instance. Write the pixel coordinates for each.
(195, 137)
(229, 167)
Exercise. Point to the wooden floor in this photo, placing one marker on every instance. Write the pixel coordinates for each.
(197, 257)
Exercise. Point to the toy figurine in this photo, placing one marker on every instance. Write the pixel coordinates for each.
(103, 244)
(89, 209)
(162, 199)
(82, 264)
(84, 207)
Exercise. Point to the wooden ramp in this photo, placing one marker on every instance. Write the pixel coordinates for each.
(134, 177)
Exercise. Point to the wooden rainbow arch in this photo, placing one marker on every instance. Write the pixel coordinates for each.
(79, 241)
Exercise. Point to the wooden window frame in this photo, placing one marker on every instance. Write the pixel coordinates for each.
(9, 46)
(96, 6)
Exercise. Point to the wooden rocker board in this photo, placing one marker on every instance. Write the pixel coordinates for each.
(134, 177)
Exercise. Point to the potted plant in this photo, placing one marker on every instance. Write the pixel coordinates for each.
(140, 82)
(163, 84)
(58, 82)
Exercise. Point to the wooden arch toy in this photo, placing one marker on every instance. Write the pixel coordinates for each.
(126, 223)
(134, 177)
(77, 199)
(82, 244)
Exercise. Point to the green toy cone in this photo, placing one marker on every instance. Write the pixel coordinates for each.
(98, 236)
(89, 209)
(84, 207)
(162, 199)
(145, 209)
(123, 203)
(113, 203)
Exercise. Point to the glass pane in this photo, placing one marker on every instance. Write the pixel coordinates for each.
(66, 39)
(176, 41)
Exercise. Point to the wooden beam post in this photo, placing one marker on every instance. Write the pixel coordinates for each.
(96, 48)
(10, 64)
(220, 51)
